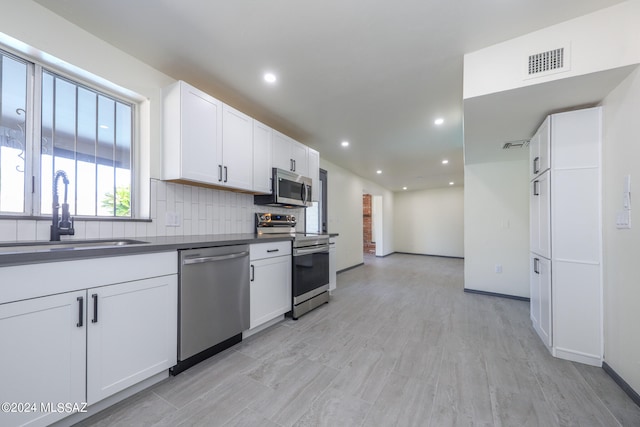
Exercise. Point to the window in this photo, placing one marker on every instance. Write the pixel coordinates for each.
(13, 131)
(84, 132)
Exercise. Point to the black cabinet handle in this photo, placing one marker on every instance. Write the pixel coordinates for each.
(291, 165)
(95, 308)
(272, 250)
(536, 188)
(80, 312)
(536, 165)
(219, 173)
(226, 174)
(536, 265)
(294, 165)
(253, 273)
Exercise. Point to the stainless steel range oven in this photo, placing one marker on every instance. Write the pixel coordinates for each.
(310, 273)
(310, 262)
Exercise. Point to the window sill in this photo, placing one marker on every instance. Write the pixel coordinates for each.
(77, 218)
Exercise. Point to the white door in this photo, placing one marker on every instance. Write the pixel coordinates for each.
(540, 215)
(132, 335)
(237, 148)
(270, 294)
(43, 355)
(534, 297)
(300, 157)
(201, 136)
(261, 158)
(544, 273)
(282, 151)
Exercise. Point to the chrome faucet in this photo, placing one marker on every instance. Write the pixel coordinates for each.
(64, 226)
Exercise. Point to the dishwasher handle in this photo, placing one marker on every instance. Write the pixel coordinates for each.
(200, 260)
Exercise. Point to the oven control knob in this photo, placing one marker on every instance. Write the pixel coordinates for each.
(293, 219)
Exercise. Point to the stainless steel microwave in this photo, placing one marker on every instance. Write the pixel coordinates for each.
(288, 190)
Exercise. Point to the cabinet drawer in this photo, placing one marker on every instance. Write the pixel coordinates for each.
(269, 250)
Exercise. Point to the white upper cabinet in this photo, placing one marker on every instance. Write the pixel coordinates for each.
(314, 174)
(262, 157)
(236, 166)
(539, 150)
(289, 154)
(209, 143)
(192, 132)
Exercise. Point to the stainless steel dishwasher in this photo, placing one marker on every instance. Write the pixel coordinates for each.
(213, 302)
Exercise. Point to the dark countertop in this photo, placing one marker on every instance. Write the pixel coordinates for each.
(21, 253)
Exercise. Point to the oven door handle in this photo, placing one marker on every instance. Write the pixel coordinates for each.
(313, 250)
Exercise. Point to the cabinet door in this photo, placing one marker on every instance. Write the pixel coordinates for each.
(270, 293)
(281, 151)
(43, 355)
(132, 335)
(314, 174)
(261, 158)
(544, 273)
(534, 297)
(201, 135)
(539, 149)
(237, 148)
(300, 157)
(540, 215)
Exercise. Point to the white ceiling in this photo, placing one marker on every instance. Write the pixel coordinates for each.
(375, 73)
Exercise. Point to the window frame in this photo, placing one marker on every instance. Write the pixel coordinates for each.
(33, 135)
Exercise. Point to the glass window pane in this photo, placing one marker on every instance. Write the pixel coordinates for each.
(86, 145)
(89, 136)
(13, 106)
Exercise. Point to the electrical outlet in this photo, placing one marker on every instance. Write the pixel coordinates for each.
(498, 268)
(172, 219)
(623, 219)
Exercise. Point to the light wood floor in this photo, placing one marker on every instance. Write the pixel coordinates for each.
(401, 344)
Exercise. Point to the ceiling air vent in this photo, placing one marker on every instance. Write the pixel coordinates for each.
(523, 143)
(548, 62)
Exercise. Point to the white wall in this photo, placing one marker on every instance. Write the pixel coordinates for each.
(345, 213)
(430, 222)
(621, 151)
(496, 224)
(599, 41)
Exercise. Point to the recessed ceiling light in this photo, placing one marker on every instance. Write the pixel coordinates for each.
(270, 78)
(404, 188)
(445, 161)
(378, 172)
(451, 183)
(439, 121)
(345, 143)
(104, 127)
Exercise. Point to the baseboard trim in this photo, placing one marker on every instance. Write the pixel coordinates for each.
(439, 256)
(495, 294)
(350, 268)
(622, 383)
(384, 256)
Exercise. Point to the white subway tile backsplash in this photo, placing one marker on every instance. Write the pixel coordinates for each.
(92, 230)
(118, 229)
(106, 229)
(26, 230)
(201, 211)
(8, 230)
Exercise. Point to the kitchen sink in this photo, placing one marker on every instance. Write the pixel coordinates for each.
(65, 245)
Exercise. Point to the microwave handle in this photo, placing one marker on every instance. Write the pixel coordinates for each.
(308, 193)
(303, 193)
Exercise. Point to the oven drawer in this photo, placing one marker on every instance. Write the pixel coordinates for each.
(269, 250)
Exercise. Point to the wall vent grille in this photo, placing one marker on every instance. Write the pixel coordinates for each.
(523, 143)
(546, 61)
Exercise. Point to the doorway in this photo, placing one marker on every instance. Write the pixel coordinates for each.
(368, 231)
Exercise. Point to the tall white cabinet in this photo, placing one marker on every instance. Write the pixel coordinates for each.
(565, 238)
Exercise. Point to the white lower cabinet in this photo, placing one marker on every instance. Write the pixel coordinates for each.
(59, 349)
(129, 326)
(43, 357)
(270, 288)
